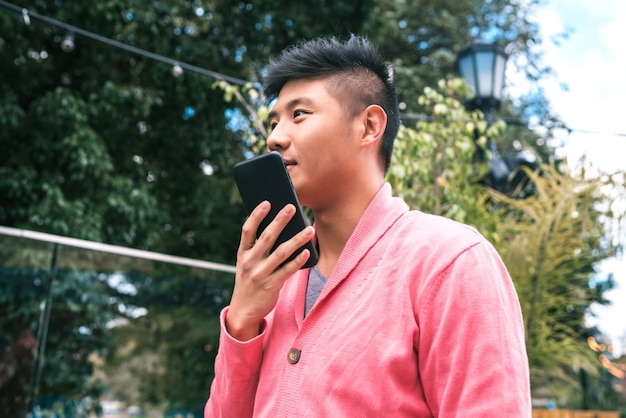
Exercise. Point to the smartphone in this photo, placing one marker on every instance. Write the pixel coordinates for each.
(265, 177)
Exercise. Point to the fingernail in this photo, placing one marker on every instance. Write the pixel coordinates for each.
(265, 205)
(289, 209)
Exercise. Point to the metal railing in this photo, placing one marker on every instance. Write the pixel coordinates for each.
(114, 249)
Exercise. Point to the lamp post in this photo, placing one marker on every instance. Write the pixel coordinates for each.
(482, 66)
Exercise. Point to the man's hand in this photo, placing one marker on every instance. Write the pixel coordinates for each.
(258, 278)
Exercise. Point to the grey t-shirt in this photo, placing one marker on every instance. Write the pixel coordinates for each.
(316, 283)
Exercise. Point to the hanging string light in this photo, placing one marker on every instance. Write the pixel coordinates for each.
(177, 70)
(29, 16)
(67, 45)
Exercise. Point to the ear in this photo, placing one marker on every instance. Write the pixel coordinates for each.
(374, 121)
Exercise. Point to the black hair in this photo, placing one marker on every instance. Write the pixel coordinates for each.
(364, 75)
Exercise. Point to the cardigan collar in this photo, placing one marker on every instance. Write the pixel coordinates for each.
(382, 212)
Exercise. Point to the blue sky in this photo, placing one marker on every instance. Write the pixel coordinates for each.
(591, 61)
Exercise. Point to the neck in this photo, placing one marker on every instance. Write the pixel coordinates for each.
(335, 224)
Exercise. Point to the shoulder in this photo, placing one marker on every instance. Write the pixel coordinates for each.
(429, 246)
(435, 231)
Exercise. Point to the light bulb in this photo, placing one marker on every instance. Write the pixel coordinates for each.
(177, 70)
(67, 45)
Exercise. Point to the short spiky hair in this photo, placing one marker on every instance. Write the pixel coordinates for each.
(353, 66)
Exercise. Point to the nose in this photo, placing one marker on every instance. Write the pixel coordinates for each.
(278, 139)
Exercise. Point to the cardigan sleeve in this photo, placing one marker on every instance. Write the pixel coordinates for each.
(237, 368)
(472, 354)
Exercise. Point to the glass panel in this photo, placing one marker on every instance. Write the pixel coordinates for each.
(116, 333)
(484, 63)
(498, 80)
(466, 68)
(24, 277)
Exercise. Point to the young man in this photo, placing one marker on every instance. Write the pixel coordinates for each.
(405, 314)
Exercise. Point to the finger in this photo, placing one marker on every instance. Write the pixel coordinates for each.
(286, 249)
(269, 236)
(251, 225)
(289, 268)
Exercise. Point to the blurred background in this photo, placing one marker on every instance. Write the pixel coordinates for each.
(120, 121)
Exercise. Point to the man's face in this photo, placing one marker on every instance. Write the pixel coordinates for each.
(316, 137)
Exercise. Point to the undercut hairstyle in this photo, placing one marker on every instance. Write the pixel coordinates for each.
(354, 69)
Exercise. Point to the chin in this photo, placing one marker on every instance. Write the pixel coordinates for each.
(302, 196)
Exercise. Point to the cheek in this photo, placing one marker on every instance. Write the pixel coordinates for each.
(326, 144)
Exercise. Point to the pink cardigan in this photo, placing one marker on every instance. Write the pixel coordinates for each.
(419, 318)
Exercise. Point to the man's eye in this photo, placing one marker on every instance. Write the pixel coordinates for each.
(272, 125)
(298, 112)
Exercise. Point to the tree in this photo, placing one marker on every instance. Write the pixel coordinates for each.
(423, 38)
(554, 243)
(110, 156)
(434, 166)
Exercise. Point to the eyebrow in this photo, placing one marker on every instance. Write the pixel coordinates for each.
(291, 104)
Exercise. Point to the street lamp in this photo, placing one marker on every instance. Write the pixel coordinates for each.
(482, 66)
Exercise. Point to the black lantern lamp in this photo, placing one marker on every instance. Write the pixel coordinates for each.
(482, 66)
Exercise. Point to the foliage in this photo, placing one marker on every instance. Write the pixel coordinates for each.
(553, 243)
(115, 155)
(424, 36)
(435, 167)
(109, 147)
